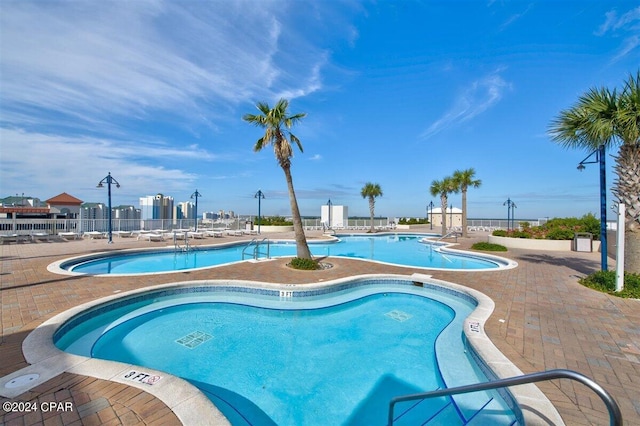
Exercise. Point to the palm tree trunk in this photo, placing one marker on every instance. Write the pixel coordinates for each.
(443, 202)
(302, 248)
(464, 214)
(371, 210)
(627, 190)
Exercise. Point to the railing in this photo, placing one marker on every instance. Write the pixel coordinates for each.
(615, 416)
(176, 244)
(449, 234)
(256, 248)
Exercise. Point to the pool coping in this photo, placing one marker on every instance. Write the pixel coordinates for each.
(191, 406)
(442, 246)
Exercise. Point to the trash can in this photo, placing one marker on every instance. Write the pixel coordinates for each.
(583, 241)
(248, 226)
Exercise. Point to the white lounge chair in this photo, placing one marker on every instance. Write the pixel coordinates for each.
(214, 233)
(151, 236)
(194, 235)
(234, 232)
(94, 235)
(69, 235)
(40, 236)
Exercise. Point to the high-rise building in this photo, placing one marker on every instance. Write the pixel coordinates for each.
(156, 207)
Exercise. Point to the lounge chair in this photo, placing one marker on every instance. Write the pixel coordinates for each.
(40, 236)
(234, 232)
(94, 235)
(194, 234)
(150, 236)
(214, 233)
(69, 235)
(123, 234)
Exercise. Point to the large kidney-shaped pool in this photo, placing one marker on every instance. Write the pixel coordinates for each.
(411, 250)
(327, 355)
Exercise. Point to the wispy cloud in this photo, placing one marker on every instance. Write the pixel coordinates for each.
(316, 157)
(473, 100)
(513, 18)
(86, 61)
(626, 25)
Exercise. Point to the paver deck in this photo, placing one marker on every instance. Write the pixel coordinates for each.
(543, 320)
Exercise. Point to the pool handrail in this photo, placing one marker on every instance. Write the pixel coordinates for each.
(615, 415)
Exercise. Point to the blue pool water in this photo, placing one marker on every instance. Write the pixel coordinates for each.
(335, 358)
(397, 249)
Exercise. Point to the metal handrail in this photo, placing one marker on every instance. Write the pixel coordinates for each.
(615, 416)
(247, 246)
(256, 250)
(448, 234)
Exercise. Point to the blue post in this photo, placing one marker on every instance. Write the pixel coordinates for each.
(603, 209)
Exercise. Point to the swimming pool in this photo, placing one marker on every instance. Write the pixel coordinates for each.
(397, 249)
(328, 355)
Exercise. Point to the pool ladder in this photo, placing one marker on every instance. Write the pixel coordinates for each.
(615, 415)
(177, 247)
(255, 244)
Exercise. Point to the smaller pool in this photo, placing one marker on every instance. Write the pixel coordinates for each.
(411, 250)
(327, 355)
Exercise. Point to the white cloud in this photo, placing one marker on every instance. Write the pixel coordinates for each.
(627, 25)
(86, 61)
(475, 99)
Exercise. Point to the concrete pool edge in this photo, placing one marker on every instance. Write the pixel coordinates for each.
(189, 403)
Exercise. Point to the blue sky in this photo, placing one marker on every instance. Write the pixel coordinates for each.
(397, 92)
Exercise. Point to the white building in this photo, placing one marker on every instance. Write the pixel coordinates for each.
(454, 216)
(156, 207)
(336, 217)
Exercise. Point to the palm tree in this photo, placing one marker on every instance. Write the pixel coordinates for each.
(443, 188)
(371, 191)
(463, 180)
(612, 119)
(277, 123)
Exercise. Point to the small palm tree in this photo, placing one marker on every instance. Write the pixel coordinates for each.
(463, 180)
(371, 191)
(277, 123)
(612, 119)
(443, 188)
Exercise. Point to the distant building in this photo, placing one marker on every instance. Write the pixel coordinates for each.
(337, 216)
(454, 216)
(64, 206)
(156, 207)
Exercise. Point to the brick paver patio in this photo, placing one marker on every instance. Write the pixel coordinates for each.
(543, 320)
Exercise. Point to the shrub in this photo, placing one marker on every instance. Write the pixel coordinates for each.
(488, 246)
(305, 264)
(560, 234)
(499, 233)
(412, 221)
(519, 234)
(273, 221)
(605, 282)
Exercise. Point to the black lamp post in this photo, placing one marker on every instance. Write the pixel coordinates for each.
(451, 216)
(599, 158)
(430, 207)
(196, 195)
(329, 204)
(109, 180)
(510, 212)
(259, 195)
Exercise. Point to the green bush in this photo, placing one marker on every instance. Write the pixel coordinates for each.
(273, 221)
(499, 233)
(519, 234)
(412, 221)
(305, 264)
(560, 234)
(605, 282)
(488, 246)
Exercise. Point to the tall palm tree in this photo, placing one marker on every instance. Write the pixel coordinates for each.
(277, 124)
(443, 188)
(463, 180)
(612, 119)
(371, 191)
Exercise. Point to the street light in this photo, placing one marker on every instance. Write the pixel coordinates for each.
(451, 217)
(259, 195)
(599, 158)
(196, 195)
(109, 180)
(329, 205)
(510, 212)
(430, 207)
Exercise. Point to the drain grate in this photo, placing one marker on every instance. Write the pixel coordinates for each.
(193, 339)
(398, 315)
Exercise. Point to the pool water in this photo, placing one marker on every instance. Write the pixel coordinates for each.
(405, 250)
(332, 359)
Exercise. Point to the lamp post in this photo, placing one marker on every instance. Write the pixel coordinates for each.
(451, 216)
(109, 180)
(599, 158)
(510, 212)
(329, 204)
(259, 195)
(196, 195)
(430, 208)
